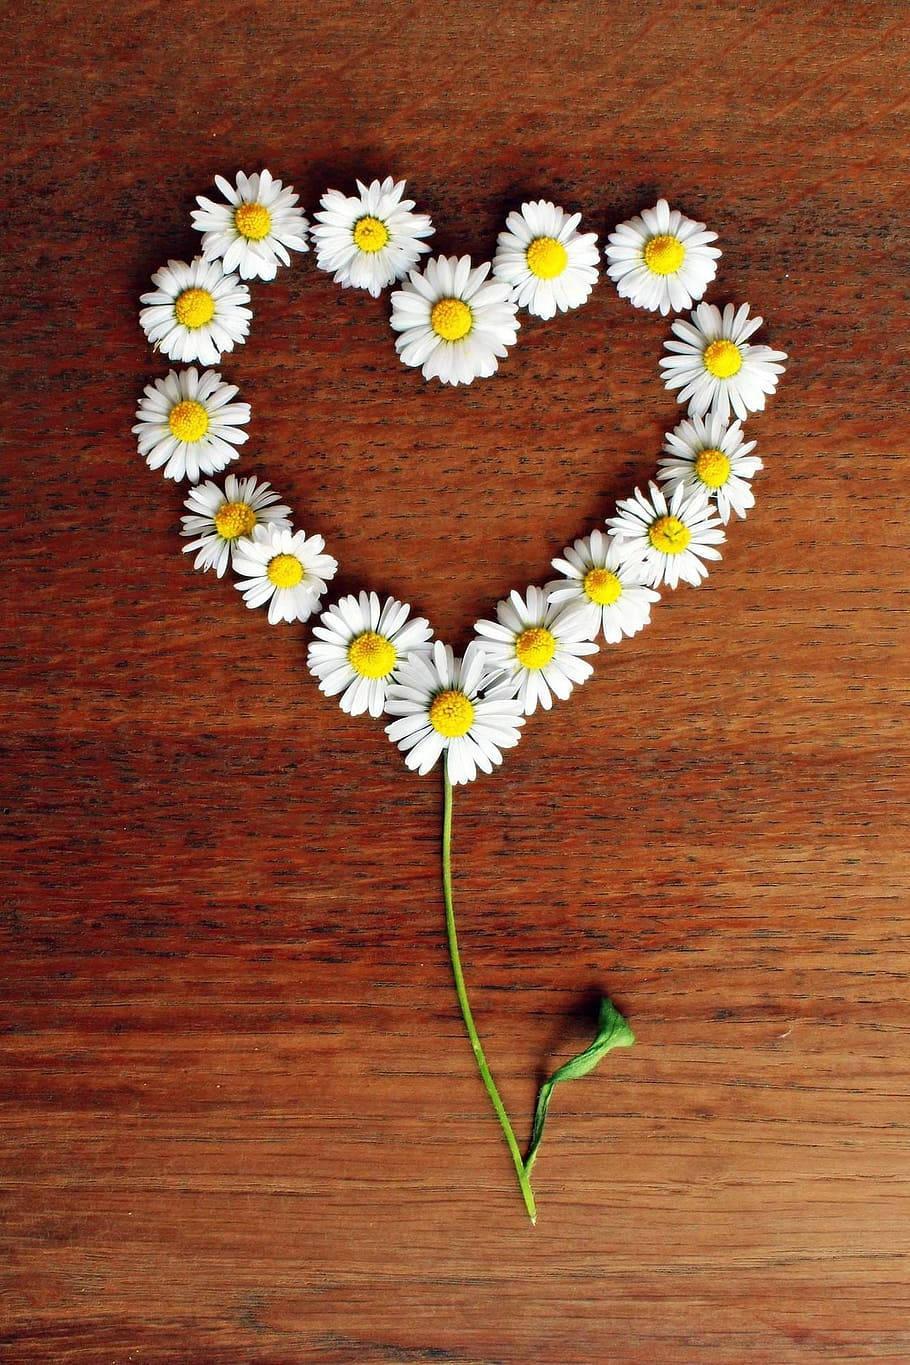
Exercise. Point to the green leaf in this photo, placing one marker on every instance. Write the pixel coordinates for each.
(612, 1031)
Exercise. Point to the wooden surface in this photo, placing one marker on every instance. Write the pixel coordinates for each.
(239, 1118)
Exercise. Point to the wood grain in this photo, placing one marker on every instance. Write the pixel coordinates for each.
(240, 1120)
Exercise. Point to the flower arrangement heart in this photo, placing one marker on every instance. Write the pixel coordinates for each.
(455, 322)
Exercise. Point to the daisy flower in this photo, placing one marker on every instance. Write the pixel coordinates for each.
(538, 646)
(661, 260)
(600, 581)
(671, 539)
(195, 311)
(443, 708)
(548, 264)
(704, 452)
(370, 239)
(189, 424)
(252, 232)
(714, 366)
(287, 569)
(452, 324)
(360, 644)
(219, 517)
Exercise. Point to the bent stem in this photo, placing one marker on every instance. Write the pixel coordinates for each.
(523, 1181)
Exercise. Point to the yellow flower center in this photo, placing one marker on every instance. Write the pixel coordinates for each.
(252, 221)
(664, 254)
(669, 535)
(285, 571)
(370, 234)
(535, 647)
(723, 358)
(451, 714)
(602, 586)
(546, 258)
(371, 655)
(194, 307)
(712, 467)
(451, 319)
(234, 519)
(188, 421)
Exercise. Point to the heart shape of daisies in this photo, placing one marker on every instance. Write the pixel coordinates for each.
(456, 321)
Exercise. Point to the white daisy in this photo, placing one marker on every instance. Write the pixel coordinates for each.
(661, 260)
(220, 517)
(370, 239)
(188, 423)
(254, 229)
(359, 646)
(287, 569)
(669, 539)
(600, 581)
(195, 311)
(444, 708)
(538, 646)
(713, 365)
(704, 452)
(548, 264)
(451, 323)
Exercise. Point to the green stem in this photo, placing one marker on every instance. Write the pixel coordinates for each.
(490, 1084)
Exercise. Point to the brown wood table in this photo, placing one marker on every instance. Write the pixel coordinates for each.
(240, 1118)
